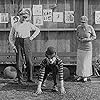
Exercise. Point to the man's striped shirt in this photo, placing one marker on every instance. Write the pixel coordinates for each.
(58, 62)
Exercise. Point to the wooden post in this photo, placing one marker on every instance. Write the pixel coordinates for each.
(86, 8)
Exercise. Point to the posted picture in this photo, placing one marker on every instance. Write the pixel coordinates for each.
(38, 20)
(57, 16)
(47, 14)
(97, 17)
(37, 9)
(4, 18)
(69, 16)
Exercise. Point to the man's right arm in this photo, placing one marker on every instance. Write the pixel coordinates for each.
(42, 70)
(41, 76)
(11, 38)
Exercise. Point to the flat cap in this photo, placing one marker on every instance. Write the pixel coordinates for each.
(84, 19)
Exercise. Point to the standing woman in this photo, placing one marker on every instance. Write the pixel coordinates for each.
(20, 31)
(85, 35)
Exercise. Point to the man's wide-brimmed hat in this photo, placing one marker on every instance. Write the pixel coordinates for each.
(84, 19)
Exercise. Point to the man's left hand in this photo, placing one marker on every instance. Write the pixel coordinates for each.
(63, 90)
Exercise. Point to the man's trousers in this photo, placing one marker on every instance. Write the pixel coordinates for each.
(23, 46)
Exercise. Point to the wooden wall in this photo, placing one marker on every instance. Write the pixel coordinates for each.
(62, 37)
(63, 41)
(92, 7)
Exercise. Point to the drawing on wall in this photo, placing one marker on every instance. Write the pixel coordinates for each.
(37, 9)
(38, 20)
(57, 16)
(4, 18)
(14, 19)
(97, 17)
(69, 16)
(47, 14)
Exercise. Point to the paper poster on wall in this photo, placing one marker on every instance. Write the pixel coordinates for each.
(97, 17)
(29, 10)
(57, 16)
(4, 18)
(69, 16)
(38, 20)
(47, 14)
(37, 9)
(14, 19)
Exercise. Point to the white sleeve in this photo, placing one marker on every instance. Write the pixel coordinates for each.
(11, 36)
(36, 29)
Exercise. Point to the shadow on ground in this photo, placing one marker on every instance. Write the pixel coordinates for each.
(8, 84)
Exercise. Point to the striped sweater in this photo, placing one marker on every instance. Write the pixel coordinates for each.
(58, 62)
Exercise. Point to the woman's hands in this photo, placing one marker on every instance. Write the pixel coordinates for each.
(84, 39)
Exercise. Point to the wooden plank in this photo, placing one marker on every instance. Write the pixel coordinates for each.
(73, 42)
(86, 8)
(69, 6)
(37, 43)
(96, 45)
(79, 11)
(61, 54)
(44, 41)
(48, 39)
(38, 57)
(61, 42)
(7, 54)
(26, 4)
(60, 8)
(50, 29)
(92, 7)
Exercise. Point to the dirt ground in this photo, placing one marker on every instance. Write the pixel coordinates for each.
(10, 90)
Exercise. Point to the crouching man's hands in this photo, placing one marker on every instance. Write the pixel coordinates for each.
(62, 90)
(39, 90)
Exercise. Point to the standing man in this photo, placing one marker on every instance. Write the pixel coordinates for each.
(20, 39)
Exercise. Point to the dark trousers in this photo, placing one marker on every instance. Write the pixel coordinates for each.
(54, 70)
(24, 51)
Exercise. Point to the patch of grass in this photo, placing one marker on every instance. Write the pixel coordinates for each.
(10, 90)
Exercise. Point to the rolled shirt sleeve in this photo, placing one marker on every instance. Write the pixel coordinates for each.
(93, 34)
(11, 36)
(37, 31)
(42, 70)
(60, 67)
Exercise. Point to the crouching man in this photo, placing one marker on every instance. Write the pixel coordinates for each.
(51, 63)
